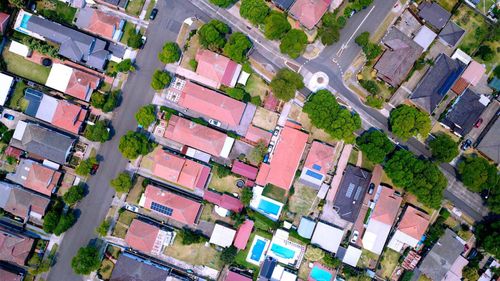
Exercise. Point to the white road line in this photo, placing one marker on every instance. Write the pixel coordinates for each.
(341, 50)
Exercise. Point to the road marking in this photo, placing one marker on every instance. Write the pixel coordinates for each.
(341, 50)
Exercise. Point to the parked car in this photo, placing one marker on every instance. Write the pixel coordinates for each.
(270, 148)
(214, 122)
(94, 169)
(9, 116)
(466, 144)
(371, 188)
(132, 208)
(276, 132)
(355, 236)
(478, 123)
(153, 14)
(143, 40)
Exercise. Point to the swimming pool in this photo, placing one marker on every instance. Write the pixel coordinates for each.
(257, 250)
(269, 207)
(320, 274)
(282, 252)
(24, 21)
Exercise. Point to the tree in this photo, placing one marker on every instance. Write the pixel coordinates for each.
(228, 254)
(160, 80)
(257, 154)
(370, 49)
(50, 220)
(189, 237)
(496, 71)
(286, 83)
(223, 3)
(236, 93)
(363, 39)
(125, 66)
(103, 228)
(375, 144)
(106, 102)
(65, 222)
(407, 121)
(407, 275)
(370, 85)
(213, 35)
(477, 174)
(246, 196)
(237, 47)
(122, 183)
(74, 194)
(254, 10)
(325, 113)
(485, 53)
(488, 237)
(97, 132)
(86, 260)
(170, 53)
(276, 25)
(134, 39)
(470, 273)
(133, 144)
(294, 43)
(443, 148)
(330, 27)
(85, 166)
(146, 115)
(331, 261)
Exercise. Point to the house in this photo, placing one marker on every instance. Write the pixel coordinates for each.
(245, 170)
(285, 159)
(234, 276)
(436, 82)
(351, 192)
(14, 246)
(489, 145)
(309, 12)
(327, 237)
(6, 82)
(7, 275)
(20, 49)
(306, 227)
(217, 68)
(170, 205)
(243, 235)
(318, 163)
(444, 260)
(223, 200)
(381, 220)
(283, 4)
(451, 34)
(35, 176)
(72, 81)
(176, 169)
(131, 268)
(199, 137)
(222, 236)
(410, 229)
(21, 202)
(119, 4)
(147, 238)
(352, 256)
(100, 23)
(255, 135)
(424, 37)
(470, 77)
(433, 14)
(42, 142)
(398, 58)
(465, 111)
(4, 22)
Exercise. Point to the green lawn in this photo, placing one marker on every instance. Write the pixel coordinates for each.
(484, 5)
(17, 101)
(195, 254)
(475, 26)
(22, 67)
(274, 192)
(129, 27)
(127, 217)
(389, 262)
(448, 4)
(106, 269)
(256, 86)
(56, 11)
(134, 7)
(242, 255)
(261, 222)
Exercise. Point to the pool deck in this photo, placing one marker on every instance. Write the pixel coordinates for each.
(281, 239)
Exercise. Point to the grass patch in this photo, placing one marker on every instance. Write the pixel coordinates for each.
(56, 11)
(134, 7)
(195, 254)
(367, 259)
(368, 73)
(475, 26)
(448, 4)
(256, 86)
(302, 200)
(119, 231)
(17, 97)
(242, 255)
(106, 269)
(126, 217)
(367, 164)
(353, 157)
(22, 67)
(189, 49)
(134, 195)
(274, 192)
(262, 222)
(127, 29)
(389, 262)
(225, 184)
(113, 251)
(151, 6)
(484, 5)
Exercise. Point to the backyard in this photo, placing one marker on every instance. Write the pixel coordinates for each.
(475, 26)
(256, 86)
(447, 4)
(124, 221)
(225, 184)
(195, 254)
(20, 66)
(265, 119)
(17, 100)
(274, 192)
(302, 200)
(242, 255)
(134, 7)
(388, 262)
(56, 10)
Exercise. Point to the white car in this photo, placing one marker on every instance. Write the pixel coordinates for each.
(214, 122)
(132, 208)
(355, 236)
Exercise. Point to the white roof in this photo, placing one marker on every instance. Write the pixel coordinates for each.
(243, 78)
(400, 239)
(461, 56)
(19, 131)
(18, 48)
(424, 37)
(5, 85)
(226, 149)
(279, 273)
(222, 236)
(375, 236)
(47, 108)
(352, 256)
(59, 77)
(327, 237)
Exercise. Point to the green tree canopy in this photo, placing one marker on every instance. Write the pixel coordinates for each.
(223, 3)
(246, 196)
(133, 144)
(85, 166)
(238, 93)
(370, 49)
(102, 229)
(146, 115)
(329, 31)
(237, 47)
(254, 10)
(488, 237)
(98, 132)
(189, 236)
(66, 221)
(125, 66)
(407, 121)
(106, 102)
(122, 183)
(257, 154)
(485, 53)
(443, 148)
(285, 83)
(326, 113)
(50, 220)
(419, 177)
(160, 80)
(74, 194)
(477, 174)
(228, 254)
(86, 260)
(294, 43)
(276, 25)
(375, 144)
(213, 35)
(170, 53)
(134, 39)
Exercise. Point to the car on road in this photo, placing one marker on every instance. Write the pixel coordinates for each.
(9, 116)
(153, 14)
(94, 169)
(478, 123)
(143, 40)
(371, 188)
(214, 122)
(466, 144)
(355, 236)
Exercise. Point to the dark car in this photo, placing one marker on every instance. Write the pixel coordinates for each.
(8, 116)
(478, 123)
(467, 143)
(153, 14)
(371, 188)
(94, 169)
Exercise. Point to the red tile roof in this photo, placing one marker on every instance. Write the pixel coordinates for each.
(387, 206)
(3, 21)
(244, 170)
(68, 116)
(474, 72)
(21, 201)
(320, 155)
(13, 152)
(309, 12)
(103, 24)
(141, 236)
(212, 104)
(81, 84)
(216, 67)
(42, 179)
(14, 247)
(184, 210)
(179, 170)
(195, 135)
(233, 276)
(255, 134)
(223, 200)
(460, 86)
(285, 160)
(243, 234)
(414, 223)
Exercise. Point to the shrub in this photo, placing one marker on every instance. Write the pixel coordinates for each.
(74, 194)
(170, 53)
(122, 183)
(228, 254)
(189, 237)
(370, 85)
(85, 166)
(102, 229)
(134, 39)
(98, 132)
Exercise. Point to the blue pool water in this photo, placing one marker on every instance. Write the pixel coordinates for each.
(282, 252)
(269, 207)
(24, 21)
(314, 174)
(257, 250)
(320, 274)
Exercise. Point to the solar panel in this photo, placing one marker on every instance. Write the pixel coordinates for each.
(162, 209)
(316, 167)
(350, 189)
(358, 191)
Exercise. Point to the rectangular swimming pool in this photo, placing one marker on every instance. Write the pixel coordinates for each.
(269, 207)
(257, 250)
(320, 274)
(282, 252)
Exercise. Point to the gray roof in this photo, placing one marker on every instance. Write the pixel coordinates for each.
(436, 82)
(434, 14)
(132, 268)
(464, 112)
(306, 227)
(490, 143)
(34, 98)
(451, 33)
(442, 256)
(84, 18)
(119, 3)
(20, 201)
(267, 268)
(283, 4)
(398, 59)
(44, 142)
(75, 45)
(351, 192)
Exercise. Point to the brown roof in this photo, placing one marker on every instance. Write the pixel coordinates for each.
(42, 179)
(14, 247)
(81, 84)
(21, 201)
(414, 223)
(387, 206)
(142, 236)
(460, 86)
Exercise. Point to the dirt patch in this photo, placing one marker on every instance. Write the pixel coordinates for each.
(195, 254)
(189, 53)
(135, 193)
(256, 86)
(265, 119)
(302, 201)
